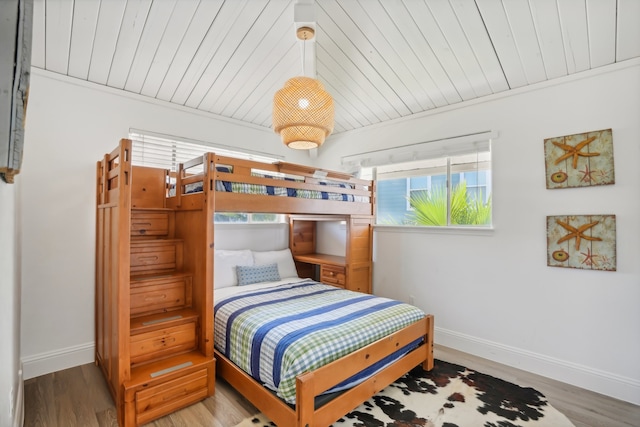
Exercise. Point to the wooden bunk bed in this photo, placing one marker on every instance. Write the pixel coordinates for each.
(200, 188)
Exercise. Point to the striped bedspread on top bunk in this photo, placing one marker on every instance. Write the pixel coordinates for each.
(275, 333)
(279, 189)
(334, 189)
(332, 193)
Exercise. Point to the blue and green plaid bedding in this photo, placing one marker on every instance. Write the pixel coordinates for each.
(280, 189)
(276, 333)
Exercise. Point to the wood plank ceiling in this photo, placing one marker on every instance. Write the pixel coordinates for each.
(379, 59)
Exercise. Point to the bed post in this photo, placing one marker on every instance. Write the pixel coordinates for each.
(427, 365)
(305, 396)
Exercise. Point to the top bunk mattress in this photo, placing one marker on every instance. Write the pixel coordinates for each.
(332, 192)
(333, 189)
(240, 185)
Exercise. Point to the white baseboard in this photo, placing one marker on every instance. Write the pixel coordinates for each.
(18, 409)
(57, 360)
(607, 383)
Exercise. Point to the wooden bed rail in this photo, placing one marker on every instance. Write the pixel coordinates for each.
(114, 167)
(311, 384)
(321, 379)
(309, 173)
(328, 376)
(302, 185)
(285, 177)
(294, 169)
(194, 171)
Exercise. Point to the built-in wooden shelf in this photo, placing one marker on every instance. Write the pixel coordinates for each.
(319, 259)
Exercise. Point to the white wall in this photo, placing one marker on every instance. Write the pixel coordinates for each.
(505, 304)
(70, 126)
(491, 292)
(10, 378)
(257, 237)
(331, 237)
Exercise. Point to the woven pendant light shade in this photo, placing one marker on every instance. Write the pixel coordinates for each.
(303, 113)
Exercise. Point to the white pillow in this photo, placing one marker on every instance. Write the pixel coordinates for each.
(224, 266)
(284, 259)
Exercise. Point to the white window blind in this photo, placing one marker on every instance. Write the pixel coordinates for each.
(167, 152)
(470, 162)
(448, 147)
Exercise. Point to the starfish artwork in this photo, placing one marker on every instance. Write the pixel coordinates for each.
(589, 258)
(579, 160)
(587, 174)
(574, 152)
(577, 241)
(577, 233)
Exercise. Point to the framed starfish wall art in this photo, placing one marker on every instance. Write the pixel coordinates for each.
(582, 241)
(580, 160)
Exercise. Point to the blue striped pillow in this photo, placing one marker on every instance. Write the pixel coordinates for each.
(248, 274)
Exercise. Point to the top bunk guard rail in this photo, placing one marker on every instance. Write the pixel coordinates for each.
(239, 185)
(194, 177)
(113, 171)
(249, 186)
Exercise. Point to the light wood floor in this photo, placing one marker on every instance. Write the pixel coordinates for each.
(79, 397)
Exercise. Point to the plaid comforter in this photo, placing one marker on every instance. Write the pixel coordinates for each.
(280, 189)
(276, 333)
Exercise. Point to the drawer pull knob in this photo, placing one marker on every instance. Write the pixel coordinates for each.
(148, 258)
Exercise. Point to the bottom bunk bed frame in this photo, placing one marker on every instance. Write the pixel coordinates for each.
(311, 384)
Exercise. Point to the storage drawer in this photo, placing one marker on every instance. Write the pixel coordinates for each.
(168, 396)
(162, 342)
(158, 388)
(152, 256)
(160, 294)
(145, 223)
(333, 275)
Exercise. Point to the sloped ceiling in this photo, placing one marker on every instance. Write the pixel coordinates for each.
(380, 59)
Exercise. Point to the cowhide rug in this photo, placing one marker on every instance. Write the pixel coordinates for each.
(448, 396)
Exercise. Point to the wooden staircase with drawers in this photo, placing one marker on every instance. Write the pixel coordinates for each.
(154, 326)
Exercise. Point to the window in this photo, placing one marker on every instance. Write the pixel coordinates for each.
(162, 151)
(239, 217)
(445, 191)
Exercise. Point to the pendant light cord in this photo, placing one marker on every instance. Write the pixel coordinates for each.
(304, 56)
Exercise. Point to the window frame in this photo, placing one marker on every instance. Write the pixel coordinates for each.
(279, 218)
(451, 169)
